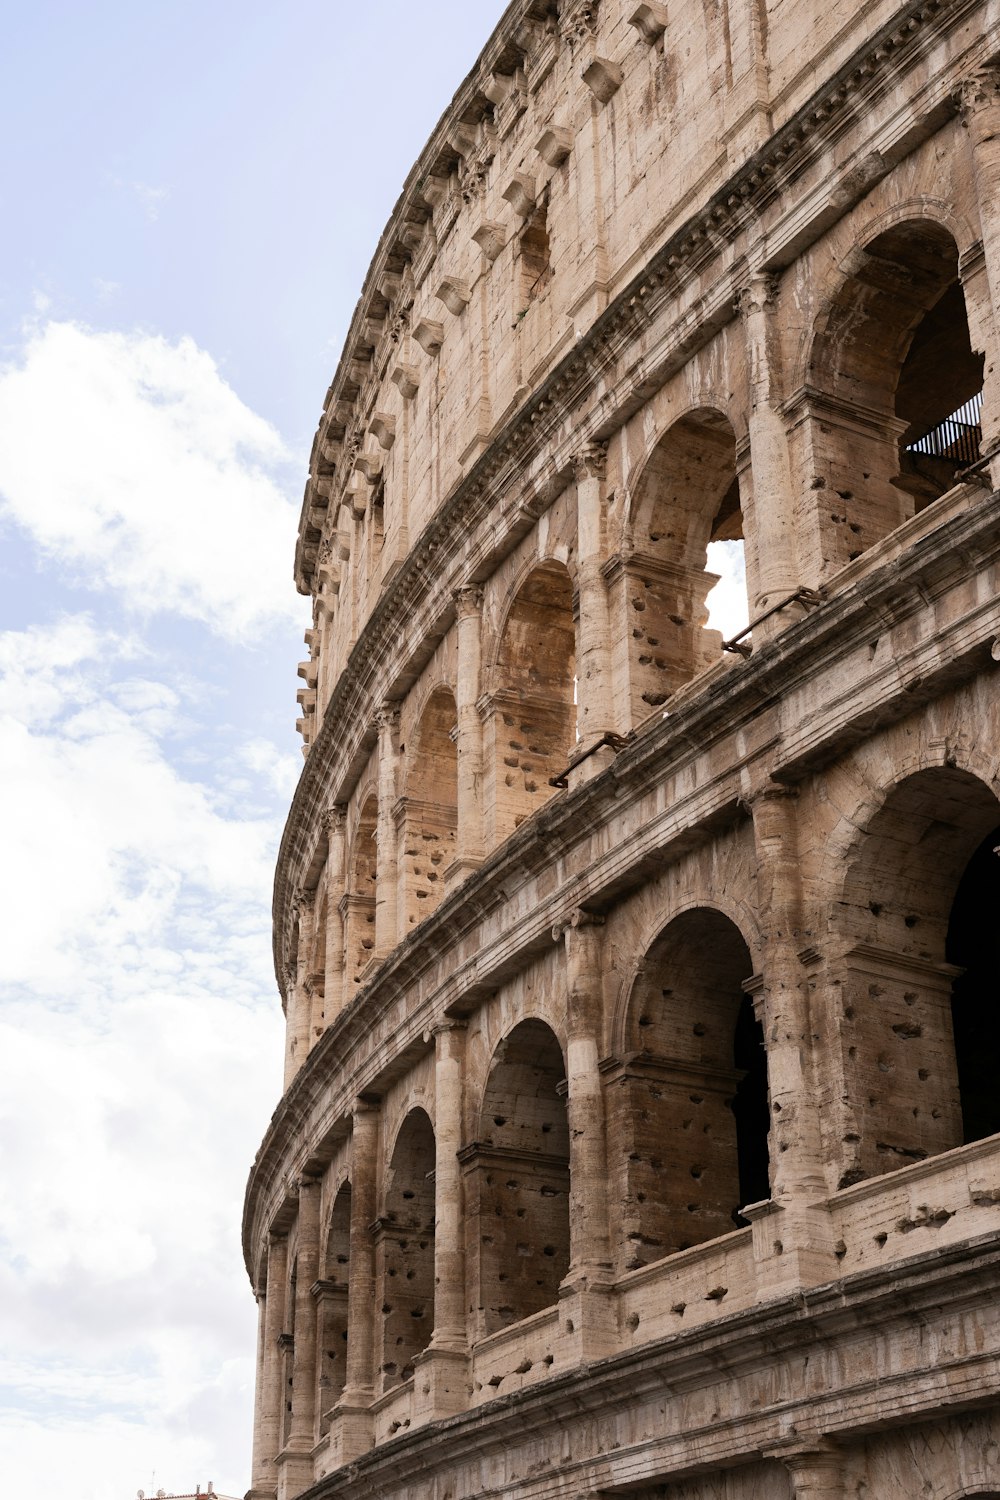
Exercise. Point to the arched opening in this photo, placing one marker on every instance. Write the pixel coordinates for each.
(921, 1043)
(973, 943)
(359, 924)
(405, 1250)
(332, 1306)
(685, 515)
(519, 1179)
(429, 808)
(531, 726)
(895, 389)
(689, 1105)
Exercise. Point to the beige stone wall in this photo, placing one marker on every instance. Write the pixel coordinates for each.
(637, 988)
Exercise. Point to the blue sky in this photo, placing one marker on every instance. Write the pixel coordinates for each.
(190, 195)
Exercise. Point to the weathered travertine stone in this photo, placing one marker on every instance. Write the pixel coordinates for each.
(640, 1131)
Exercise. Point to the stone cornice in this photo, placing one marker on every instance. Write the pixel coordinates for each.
(855, 1309)
(425, 579)
(723, 703)
(742, 197)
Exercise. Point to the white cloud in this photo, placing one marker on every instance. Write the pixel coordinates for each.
(131, 462)
(140, 1045)
(727, 601)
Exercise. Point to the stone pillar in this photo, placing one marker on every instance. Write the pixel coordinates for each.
(295, 1464)
(816, 1468)
(441, 1372)
(336, 874)
(979, 101)
(590, 1253)
(356, 1422)
(386, 934)
(586, 1293)
(269, 1396)
(796, 1250)
(469, 845)
(595, 696)
(773, 503)
(296, 1023)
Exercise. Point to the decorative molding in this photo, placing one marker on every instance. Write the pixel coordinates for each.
(578, 20)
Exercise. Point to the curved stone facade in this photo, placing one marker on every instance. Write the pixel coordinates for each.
(640, 1127)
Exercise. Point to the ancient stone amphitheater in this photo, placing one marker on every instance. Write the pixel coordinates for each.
(641, 1111)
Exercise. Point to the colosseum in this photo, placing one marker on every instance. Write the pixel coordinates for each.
(641, 1122)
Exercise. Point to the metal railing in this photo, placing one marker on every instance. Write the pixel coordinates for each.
(957, 438)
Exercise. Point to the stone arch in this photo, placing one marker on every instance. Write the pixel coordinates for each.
(404, 1250)
(688, 1107)
(362, 871)
(891, 360)
(428, 810)
(919, 1041)
(530, 727)
(686, 498)
(332, 1310)
(518, 1179)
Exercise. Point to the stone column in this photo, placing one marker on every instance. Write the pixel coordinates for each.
(302, 1432)
(469, 844)
(441, 1383)
(267, 1417)
(979, 101)
(816, 1468)
(796, 1250)
(586, 1293)
(773, 505)
(386, 934)
(595, 696)
(356, 1422)
(295, 1463)
(296, 1023)
(590, 1253)
(334, 956)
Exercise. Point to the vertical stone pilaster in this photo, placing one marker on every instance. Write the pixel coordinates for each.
(586, 1293)
(267, 1416)
(336, 875)
(386, 894)
(595, 696)
(296, 1022)
(469, 850)
(979, 102)
(302, 1432)
(441, 1372)
(792, 1245)
(590, 1253)
(776, 564)
(355, 1401)
(816, 1468)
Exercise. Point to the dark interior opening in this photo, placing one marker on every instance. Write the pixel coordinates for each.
(750, 1107)
(974, 943)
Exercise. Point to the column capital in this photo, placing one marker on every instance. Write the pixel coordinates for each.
(304, 900)
(591, 462)
(577, 921)
(365, 1106)
(979, 90)
(468, 600)
(387, 718)
(334, 819)
(290, 977)
(758, 294)
(442, 1028)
